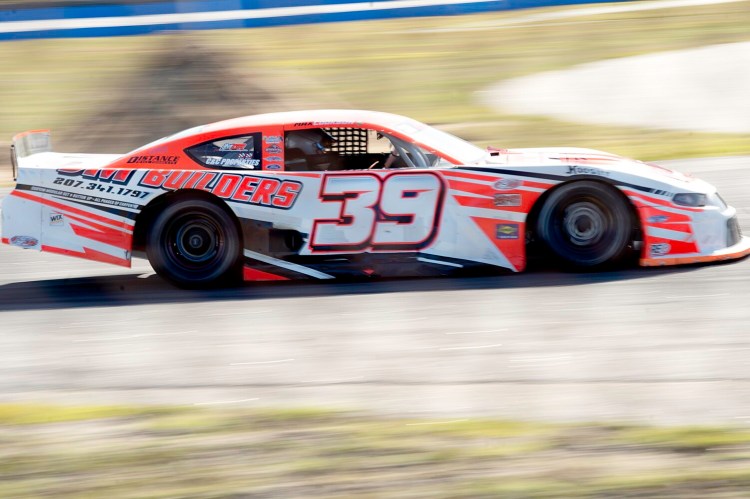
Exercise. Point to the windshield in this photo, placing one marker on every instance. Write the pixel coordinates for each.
(446, 143)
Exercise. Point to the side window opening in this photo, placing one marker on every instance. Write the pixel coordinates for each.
(346, 148)
(240, 152)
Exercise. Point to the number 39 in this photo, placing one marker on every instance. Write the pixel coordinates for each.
(400, 212)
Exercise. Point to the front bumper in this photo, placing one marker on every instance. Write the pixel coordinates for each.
(738, 250)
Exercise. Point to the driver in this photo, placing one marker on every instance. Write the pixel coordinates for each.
(314, 145)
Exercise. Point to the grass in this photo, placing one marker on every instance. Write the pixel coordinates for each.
(31, 414)
(416, 67)
(74, 451)
(689, 439)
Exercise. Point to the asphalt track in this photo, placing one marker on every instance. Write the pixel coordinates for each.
(649, 345)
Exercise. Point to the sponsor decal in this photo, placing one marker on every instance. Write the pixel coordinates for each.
(329, 123)
(587, 170)
(657, 219)
(242, 161)
(273, 139)
(234, 147)
(55, 218)
(507, 184)
(274, 159)
(273, 166)
(247, 189)
(23, 241)
(506, 231)
(154, 159)
(304, 123)
(274, 149)
(659, 249)
(507, 200)
(121, 177)
(92, 186)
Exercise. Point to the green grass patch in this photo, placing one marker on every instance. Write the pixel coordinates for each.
(34, 414)
(432, 69)
(67, 452)
(687, 438)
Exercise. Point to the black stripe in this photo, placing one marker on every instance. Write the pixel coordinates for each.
(550, 176)
(55, 193)
(520, 173)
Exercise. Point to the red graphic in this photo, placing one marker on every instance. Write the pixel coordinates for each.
(400, 212)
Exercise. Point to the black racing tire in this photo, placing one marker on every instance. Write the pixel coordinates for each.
(194, 243)
(586, 224)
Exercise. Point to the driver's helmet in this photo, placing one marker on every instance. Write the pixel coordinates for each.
(316, 145)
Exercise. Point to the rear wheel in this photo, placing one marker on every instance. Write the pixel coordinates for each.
(586, 224)
(193, 243)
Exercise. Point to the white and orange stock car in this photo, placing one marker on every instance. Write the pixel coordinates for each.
(333, 193)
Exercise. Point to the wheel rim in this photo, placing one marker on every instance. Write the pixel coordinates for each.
(584, 224)
(195, 242)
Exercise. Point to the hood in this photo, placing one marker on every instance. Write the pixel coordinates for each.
(583, 160)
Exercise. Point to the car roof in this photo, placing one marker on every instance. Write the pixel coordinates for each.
(321, 117)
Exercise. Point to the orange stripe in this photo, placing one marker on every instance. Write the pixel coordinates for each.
(471, 187)
(660, 202)
(69, 209)
(473, 176)
(681, 260)
(251, 274)
(88, 254)
(112, 237)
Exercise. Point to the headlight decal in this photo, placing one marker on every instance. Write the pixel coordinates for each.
(693, 199)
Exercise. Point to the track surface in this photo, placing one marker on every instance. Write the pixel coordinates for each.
(659, 346)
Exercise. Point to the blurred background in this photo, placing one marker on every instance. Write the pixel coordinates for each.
(621, 384)
(112, 94)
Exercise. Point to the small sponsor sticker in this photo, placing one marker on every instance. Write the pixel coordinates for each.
(506, 231)
(273, 139)
(587, 170)
(23, 241)
(154, 159)
(331, 123)
(55, 218)
(273, 166)
(234, 147)
(658, 219)
(243, 161)
(507, 184)
(274, 149)
(273, 159)
(659, 249)
(507, 200)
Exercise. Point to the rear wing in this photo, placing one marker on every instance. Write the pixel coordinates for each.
(28, 143)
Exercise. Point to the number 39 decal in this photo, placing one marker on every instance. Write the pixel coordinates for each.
(399, 212)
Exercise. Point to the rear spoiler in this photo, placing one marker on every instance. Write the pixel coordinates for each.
(28, 143)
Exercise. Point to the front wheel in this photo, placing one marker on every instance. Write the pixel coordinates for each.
(194, 243)
(586, 224)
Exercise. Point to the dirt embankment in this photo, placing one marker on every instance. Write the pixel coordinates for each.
(183, 83)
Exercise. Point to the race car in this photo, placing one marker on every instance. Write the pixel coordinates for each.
(327, 194)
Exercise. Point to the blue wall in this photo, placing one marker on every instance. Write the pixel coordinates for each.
(377, 9)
